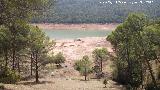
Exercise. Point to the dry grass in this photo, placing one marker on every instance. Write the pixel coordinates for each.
(64, 84)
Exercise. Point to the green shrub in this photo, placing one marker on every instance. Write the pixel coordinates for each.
(8, 76)
(151, 86)
(47, 60)
(58, 59)
(105, 82)
(1, 87)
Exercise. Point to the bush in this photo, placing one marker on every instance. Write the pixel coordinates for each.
(152, 87)
(8, 76)
(47, 60)
(105, 82)
(1, 87)
(58, 59)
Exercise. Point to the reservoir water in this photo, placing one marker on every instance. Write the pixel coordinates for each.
(73, 34)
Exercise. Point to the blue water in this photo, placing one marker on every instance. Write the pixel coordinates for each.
(73, 34)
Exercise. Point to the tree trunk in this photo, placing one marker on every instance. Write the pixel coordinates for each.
(37, 76)
(85, 75)
(13, 59)
(6, 58)
(101, 65)
(129, 69)
(31, 62)
(142, 75)
(151, 72)
(12, 28)
(105, 86)
(18, 66)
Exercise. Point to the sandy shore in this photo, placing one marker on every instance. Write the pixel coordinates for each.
(50, 26)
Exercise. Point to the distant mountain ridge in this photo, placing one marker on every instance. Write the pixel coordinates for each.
(98, 11)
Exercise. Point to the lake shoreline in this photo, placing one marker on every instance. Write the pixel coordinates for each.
(51, 26)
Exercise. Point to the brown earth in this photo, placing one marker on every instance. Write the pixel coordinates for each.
(64, 84)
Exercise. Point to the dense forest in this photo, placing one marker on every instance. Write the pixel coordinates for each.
(96, 11)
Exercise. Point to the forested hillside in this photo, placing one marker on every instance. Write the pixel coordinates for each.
(97, 11)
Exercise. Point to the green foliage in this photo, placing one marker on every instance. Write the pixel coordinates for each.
(8, 76)
(1, 86)
(72, 11)
(105, 82)
(100, 55)
(39, 45)
(83, 65)
(123, 39)
(19, 39)
(23, 10)
(59, 58)
(151, 86)
(47, 60)
(135, 45)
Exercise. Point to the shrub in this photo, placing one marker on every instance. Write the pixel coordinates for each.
(8, 76)
(151, 86)
(47, 60)
(105, 82)
(58, 59)
(1, 87)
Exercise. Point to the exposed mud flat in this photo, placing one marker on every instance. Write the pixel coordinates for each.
(50, 26)
(75, 49)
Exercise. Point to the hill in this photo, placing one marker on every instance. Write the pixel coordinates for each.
(97, 11)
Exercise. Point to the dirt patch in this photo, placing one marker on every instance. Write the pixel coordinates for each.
(50, 26)
(65, 84)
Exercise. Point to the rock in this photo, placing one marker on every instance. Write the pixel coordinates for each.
(71, 45)
(52, 73)
(77, 40)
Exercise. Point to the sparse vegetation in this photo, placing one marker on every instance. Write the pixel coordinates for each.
(105, 83)
(1, 86)
(9, 76)
(58, 59)
(84, 66)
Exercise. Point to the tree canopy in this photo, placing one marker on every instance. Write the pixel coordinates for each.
(97, 11)
(136, 44)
